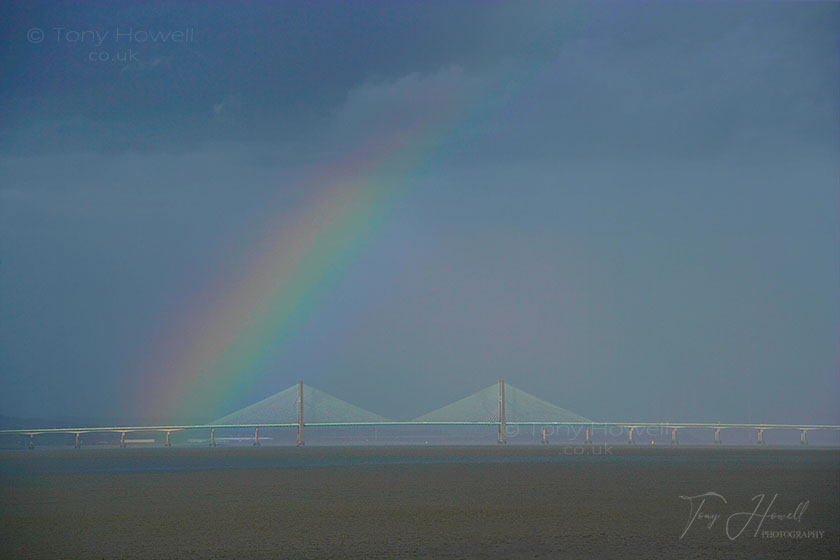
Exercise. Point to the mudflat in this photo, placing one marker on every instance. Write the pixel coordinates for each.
(421, 502)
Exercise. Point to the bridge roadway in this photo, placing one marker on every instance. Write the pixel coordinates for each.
(587, 426)
(175, 428)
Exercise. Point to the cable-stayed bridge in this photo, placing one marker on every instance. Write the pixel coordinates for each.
(301, 406)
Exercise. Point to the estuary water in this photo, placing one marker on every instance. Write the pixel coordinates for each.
(421, 502)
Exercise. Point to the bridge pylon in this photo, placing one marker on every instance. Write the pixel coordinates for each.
(300, 440)
(502, 425)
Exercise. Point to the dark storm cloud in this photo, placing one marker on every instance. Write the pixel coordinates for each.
(685, 77)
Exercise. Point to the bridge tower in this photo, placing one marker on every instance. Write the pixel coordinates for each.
(502, 427)
(300, 414)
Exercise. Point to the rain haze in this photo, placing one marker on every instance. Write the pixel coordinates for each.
(630, 211)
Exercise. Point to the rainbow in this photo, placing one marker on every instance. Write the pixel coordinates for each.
(226, 341)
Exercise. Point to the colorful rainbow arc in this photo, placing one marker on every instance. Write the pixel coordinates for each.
(225, 345)
(227, 348)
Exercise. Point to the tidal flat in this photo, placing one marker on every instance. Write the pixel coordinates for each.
(421, 502)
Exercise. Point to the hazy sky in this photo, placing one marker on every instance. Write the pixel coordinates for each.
(628, 210)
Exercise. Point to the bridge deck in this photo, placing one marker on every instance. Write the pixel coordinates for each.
(173, 428)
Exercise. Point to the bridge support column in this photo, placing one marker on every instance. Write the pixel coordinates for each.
(545, 435)
(168, 443)
(674, 437)
(761, 436)
(31, 441)
(122, 439)
(256, 437)
(803, 438)
(300, 414)
(78, 440)
(588, 435)
(717, 435)
(631, 439)
(502, 426)
(212, 437)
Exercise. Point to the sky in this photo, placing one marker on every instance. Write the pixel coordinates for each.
(630, 211)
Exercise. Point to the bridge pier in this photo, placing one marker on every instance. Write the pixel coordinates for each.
(631, 439)
(674, 437)
(78, 440)
(588, 439)
(717, 435)
(502, 426)
(212, 437)
(545, 436)
(300, 414)
(256, 437)
(31, 441)
(803, 438)
(761, 436)
(122, 439)
(168, 443)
